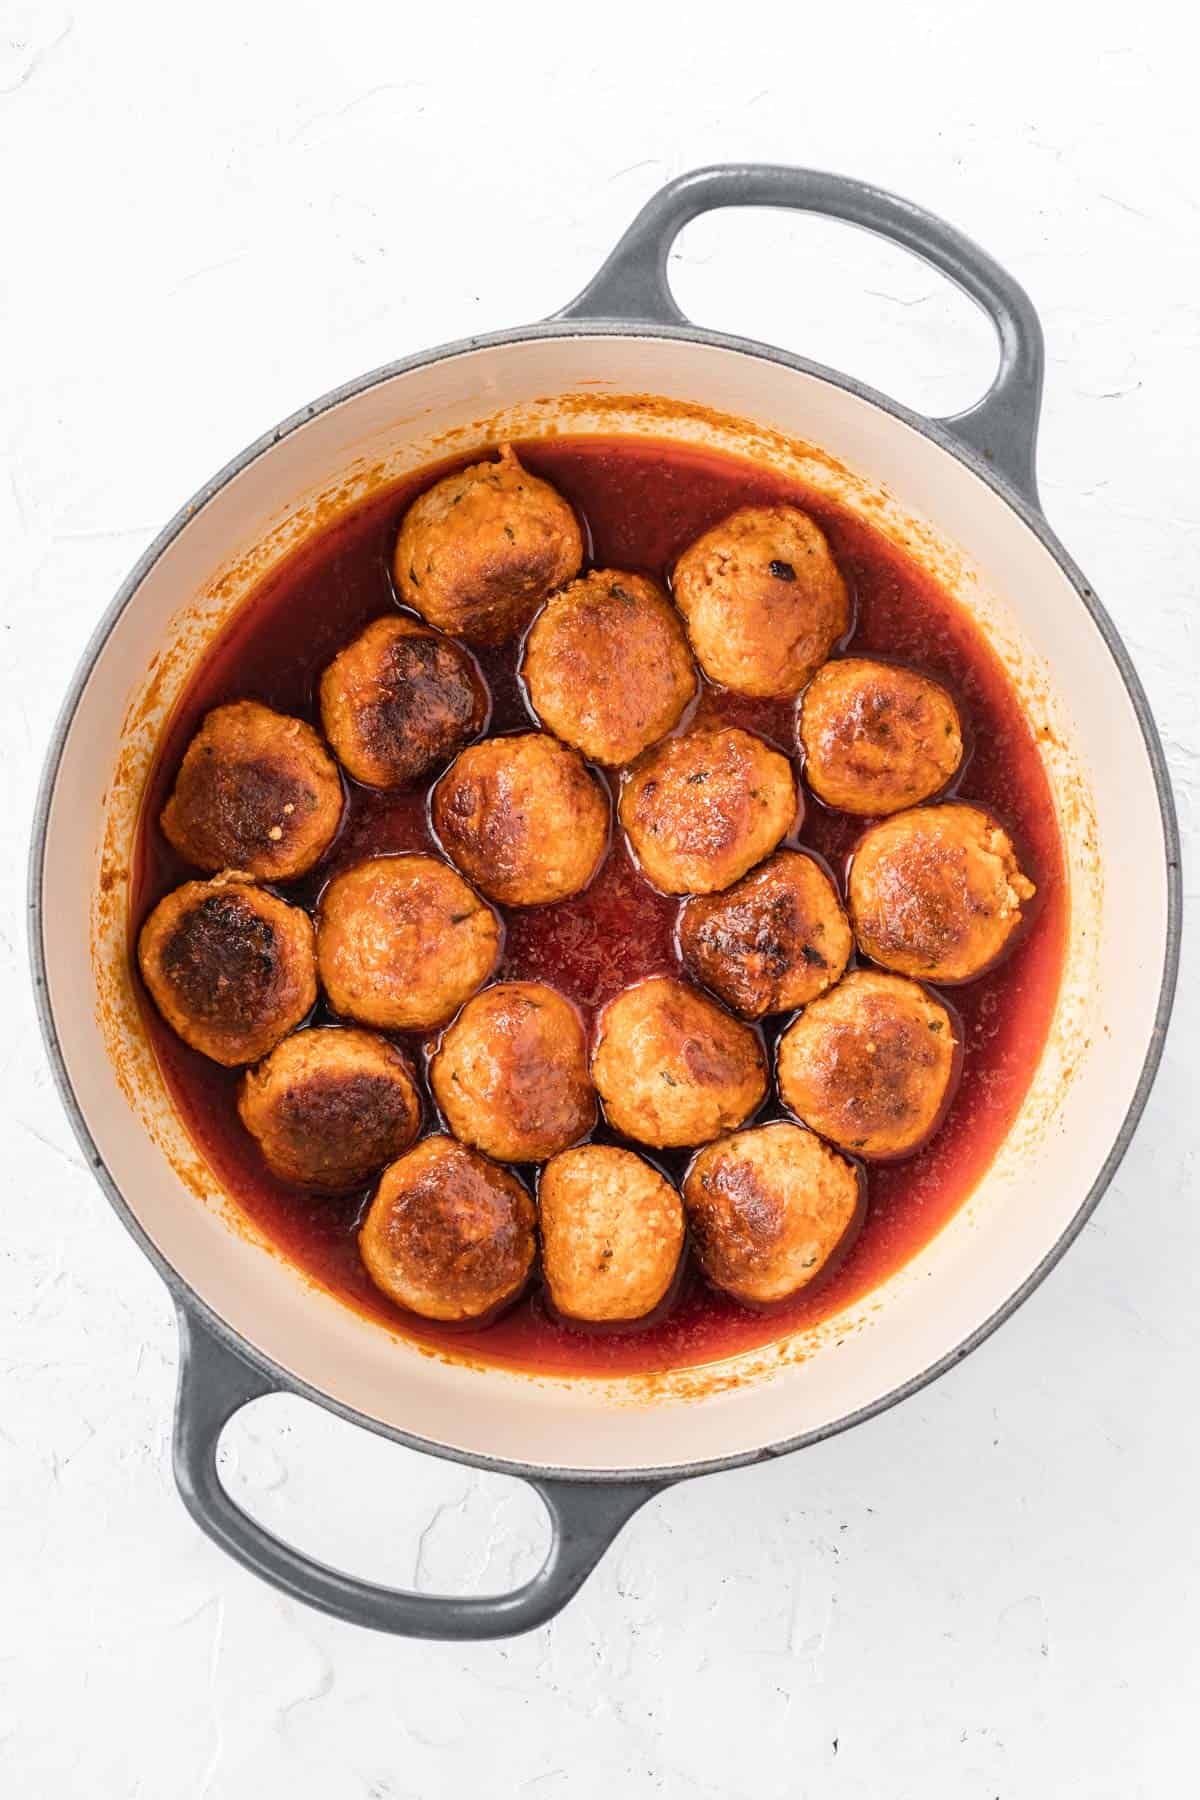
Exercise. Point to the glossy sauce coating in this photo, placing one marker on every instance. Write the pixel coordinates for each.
(643, 503)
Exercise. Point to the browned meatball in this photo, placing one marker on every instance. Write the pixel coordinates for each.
(768, 1208)
(448, 1235)
(870, 1064)
(329, 1108)
(671, 1065)
(229, 966)
(478, 553)
(764, 600)
(402, 941)
(774, 940)
(700, 810)
(523, 818)
(256, 791)
(511, 1073)
(612, 1233)
(936, 893)
(399, 700)
(607, 665)
(877, 737)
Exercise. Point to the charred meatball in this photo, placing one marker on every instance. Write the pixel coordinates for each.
(448, 1235)
(607, 665)
(229, 966)
(523, 818)
(877, 737)
(764, 600)
(936, 893)
(773, 941)
(399, 700)
(329, 1108)
(612, 1233)
(870, 1064)
(479, 552)
(511, 1073)
(701, 809)
(768, 1208)
(402, 941)
(256, 791)
(671, 1065)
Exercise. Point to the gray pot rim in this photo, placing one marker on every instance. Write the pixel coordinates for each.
(274, 1376)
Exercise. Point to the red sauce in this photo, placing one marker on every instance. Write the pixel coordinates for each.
(642, 502)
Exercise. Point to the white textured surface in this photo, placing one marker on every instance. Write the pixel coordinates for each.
(989, 1592)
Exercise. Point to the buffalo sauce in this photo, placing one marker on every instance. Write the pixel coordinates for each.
(642, 502)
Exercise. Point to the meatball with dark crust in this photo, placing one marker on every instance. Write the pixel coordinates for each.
(672, 1067)
(402, 941)
(229, 966)
(480, 550)
(936, 893)
(523, 817)
(612, 1233)
(256, 791)
(877, 737)
(701, 809)
(448, 1235)
(607, 665)
(870, 1064)
(773, 941)
(764, 600)
(511, 1074)
(768, 1208)
(329, 1108)
(399, 700)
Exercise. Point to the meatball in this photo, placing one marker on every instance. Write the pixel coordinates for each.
(612, 1233)
(480, 550)
(256, 791)
(523, 818)
(399, 700)
(764, 600)
(877, 737)
(768, 1208)
(607, 665)
(936, 893)
(870, 1065)
(511, 1075)
(773, 941)
(448, 1235)
(329, 1108)
(701, 809)
(671, 1065)
(229, 966)
(402, 941)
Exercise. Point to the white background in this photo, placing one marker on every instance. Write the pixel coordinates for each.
(208, 216)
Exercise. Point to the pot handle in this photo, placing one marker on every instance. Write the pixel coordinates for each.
(632, 285)
(216, 1380)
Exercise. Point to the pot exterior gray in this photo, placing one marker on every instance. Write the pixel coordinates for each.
(219, 1370)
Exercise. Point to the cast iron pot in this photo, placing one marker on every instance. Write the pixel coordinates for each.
(961, 494)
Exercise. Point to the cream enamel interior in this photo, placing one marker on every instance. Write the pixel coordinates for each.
(1092, 745)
